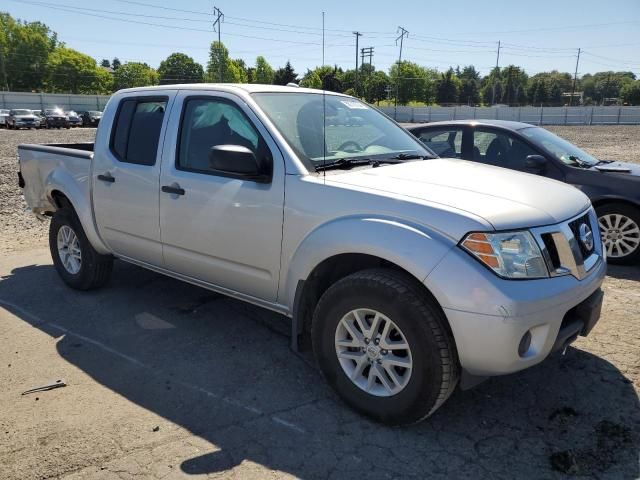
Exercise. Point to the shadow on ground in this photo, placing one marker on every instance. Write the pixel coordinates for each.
(223, 370)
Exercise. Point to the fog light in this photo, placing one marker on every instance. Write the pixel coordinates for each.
(525, 343)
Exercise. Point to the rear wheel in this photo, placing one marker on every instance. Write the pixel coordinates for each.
(77, 262)
(383, 344)
(620, 231)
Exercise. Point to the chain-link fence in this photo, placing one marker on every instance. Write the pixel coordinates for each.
(533, 115)
(40, 101)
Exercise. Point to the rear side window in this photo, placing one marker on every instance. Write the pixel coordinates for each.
(137, 130)
(446, 143)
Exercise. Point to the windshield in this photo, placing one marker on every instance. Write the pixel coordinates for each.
(353, 129)
(94, 113)
(54, 112)
(72, 113)
(561, 149)
(22, 112)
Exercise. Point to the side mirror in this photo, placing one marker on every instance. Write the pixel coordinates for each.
(535, 163)
(236, 161)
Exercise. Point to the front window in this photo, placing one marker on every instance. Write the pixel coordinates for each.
(21, 112)
(561, 149)
(352, 129)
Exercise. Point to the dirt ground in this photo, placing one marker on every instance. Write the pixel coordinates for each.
(167, 380)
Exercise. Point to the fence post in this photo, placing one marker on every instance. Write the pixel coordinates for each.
(41, 102)
(97, 102)
(519, 113)
(4, 101)
(474, 112)
(455, 110)
(565, 114)
(541, 109)
(619, 112)
(496, 109)
(429, 119)
(591, 116)
(413, 114)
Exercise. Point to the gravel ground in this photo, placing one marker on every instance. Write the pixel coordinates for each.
(166, 380)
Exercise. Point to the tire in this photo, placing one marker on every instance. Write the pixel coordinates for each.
(621, 221)
(434, 370)
(94, 269)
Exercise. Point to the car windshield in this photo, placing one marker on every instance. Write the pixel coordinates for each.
(22, 112)
(4, 112)
(72, 113)
(561, 149)
(94, 113)
(53, 112)
(353, 129)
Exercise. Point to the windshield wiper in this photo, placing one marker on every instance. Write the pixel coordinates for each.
(349, 163)
(410, 156)
(581, 163)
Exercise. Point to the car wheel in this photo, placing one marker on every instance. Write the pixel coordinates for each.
(76, 261)
(383, 344)
(620, 232)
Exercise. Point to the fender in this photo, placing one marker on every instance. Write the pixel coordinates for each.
(413, 247)
(613, 198)
(77, 190)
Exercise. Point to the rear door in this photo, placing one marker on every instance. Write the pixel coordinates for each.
(126, 172)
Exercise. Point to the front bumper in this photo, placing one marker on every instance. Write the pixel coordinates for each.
(489, 315)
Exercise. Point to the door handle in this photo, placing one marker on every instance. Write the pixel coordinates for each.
(174, 190)
(106, 178)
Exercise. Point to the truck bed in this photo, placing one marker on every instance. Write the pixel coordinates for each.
(41, 163)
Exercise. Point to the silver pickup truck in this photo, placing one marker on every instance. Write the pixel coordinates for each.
(408, 274)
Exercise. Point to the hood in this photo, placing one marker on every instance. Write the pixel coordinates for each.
(504, 198)
(632, 169)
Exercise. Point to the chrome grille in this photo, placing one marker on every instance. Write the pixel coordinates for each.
(562, 249)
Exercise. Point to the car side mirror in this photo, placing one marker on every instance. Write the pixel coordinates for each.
(535, 163)
(236, 161)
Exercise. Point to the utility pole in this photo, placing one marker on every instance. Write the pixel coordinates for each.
(575, 78)
(493, 96)
(218, 24)
(403, 33)
(366, 52)
(355, 88)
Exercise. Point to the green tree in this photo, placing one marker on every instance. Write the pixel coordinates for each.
(630, 92)
(285, 75)
(218, 62)
(26, 48)
(264, 72)
(180, 68)
(134, 74)
(311, 79)
(115, 63)
(376, 86)
(514, 85)
(491, 89)
(469, 85)
(105, 63)
(448, 88)
(538, 91)
(70, 71)
(103, 82)
(412, 82)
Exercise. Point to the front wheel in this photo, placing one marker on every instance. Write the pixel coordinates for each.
(382, 343)
(620, 232)
(77, 262)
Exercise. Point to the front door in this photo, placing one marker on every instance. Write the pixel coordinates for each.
(126, 171)
(222, 230)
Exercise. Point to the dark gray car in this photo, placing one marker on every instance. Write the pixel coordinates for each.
(613, 187)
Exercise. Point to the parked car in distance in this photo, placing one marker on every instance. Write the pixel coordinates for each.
(56, 118)
(43, 119)
(612, 187)
(74, 118)
(407, 273)
(22, 118)
(91, 118)
(4, 113)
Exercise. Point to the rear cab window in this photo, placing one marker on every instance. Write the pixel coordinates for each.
(136, 130)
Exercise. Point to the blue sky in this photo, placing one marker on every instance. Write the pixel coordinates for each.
(540, 35)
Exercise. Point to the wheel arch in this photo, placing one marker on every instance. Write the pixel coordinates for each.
(345, 246)
(600, 202)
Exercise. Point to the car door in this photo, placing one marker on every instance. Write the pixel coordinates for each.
(217, 228)
(444, 141)
(506, 149)
(126, 172)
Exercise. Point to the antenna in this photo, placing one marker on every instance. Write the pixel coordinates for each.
(324, 114)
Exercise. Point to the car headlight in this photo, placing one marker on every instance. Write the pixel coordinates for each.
(509, 254)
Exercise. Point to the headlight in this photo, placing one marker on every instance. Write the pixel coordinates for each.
(509, 254)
